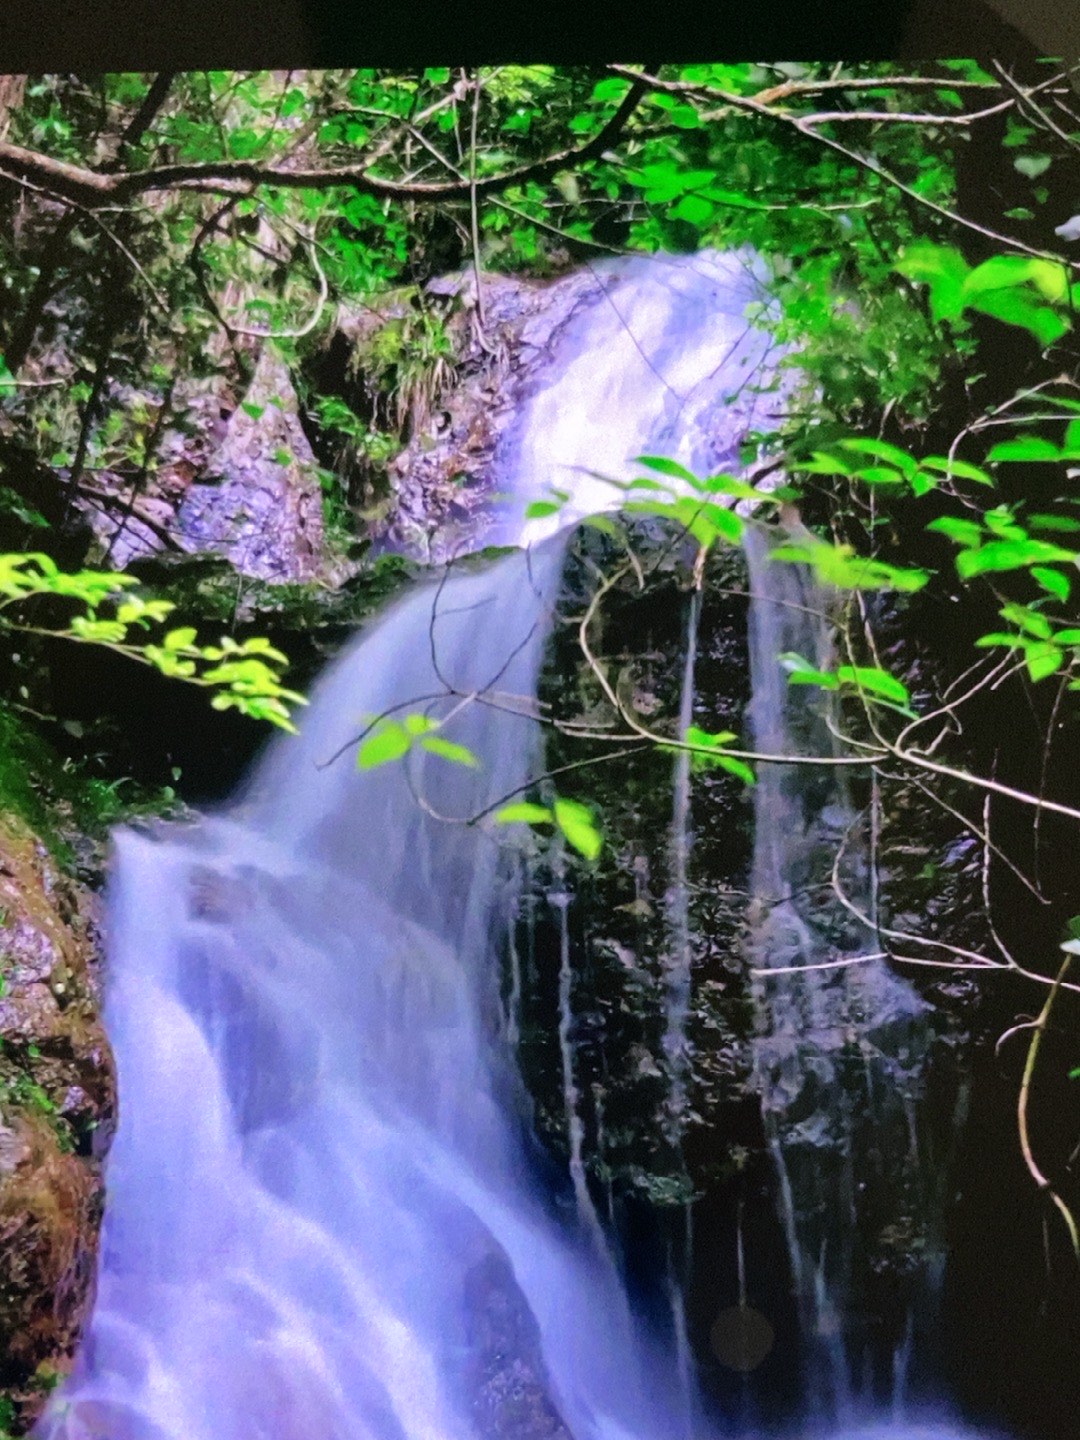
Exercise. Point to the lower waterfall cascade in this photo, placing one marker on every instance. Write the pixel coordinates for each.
(325, 1217)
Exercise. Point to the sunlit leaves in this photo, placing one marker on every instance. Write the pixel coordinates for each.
(1020, 290)
(524, 812)
(950, 467)
(391, 739)
(894, 467)
(839, 565)
(543, 509)
(449, 750)
(1052, 581)
(1033, 448)
(874, 685)
(574, 820)
(245, 675)
(709, 751)
(1000, 555)
(943, 270)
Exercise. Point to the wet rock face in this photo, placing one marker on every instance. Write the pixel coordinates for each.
(263, 509)
(445, 477)
(506, 1381)
(236, 478)
(57, 1100)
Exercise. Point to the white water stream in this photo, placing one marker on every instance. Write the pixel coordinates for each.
(322, 1220)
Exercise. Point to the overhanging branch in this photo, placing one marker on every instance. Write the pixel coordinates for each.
(92, 189)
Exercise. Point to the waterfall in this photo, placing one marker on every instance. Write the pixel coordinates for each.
(324, 1218)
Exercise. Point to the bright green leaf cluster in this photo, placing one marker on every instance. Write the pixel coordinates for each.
(571, 818)
(245, 674)
(709, 752)
(1020, 290)
(391, 739)
(839, 566)
(874, 685)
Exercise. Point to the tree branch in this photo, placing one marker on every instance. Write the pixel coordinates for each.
(92, 189)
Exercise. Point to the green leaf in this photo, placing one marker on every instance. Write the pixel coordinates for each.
(839, 565)
(694, 210)
(576, 823)
(943, 269)
(802, 672)
(1029, 619)
(1052, 581)
(878, 475)
(524, 812)
(963, 532)
(180, 639)
(1025, 447)
(389, 742)
(696, 736)
(1008, 555)
(255, 411)
(945, 466)
(1032, 165)
(1018, 307)
(664, 466)
(449, 750)
(881, 450)
(997, 637)
(419, 724)
(1043, 659)
(880, 682)
(1063, 524)
(737, 489)
(733, 765)
(541, 509)
(821, 463)
(1008, 272)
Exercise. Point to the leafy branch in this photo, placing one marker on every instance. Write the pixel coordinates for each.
(244, 675)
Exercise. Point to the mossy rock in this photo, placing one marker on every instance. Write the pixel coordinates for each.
(57, 1103)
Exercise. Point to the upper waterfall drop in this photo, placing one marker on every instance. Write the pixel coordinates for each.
(659, 357)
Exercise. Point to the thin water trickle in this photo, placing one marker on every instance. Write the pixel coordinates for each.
(842, 1051)
(676, 1041)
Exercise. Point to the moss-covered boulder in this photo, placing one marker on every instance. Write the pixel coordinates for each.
(57, 1102)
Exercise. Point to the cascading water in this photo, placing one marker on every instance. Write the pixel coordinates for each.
(323, 1216)
(317, 1205)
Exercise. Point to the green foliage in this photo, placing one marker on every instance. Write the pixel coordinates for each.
(574, 820)
(708, 752)
(873, 685)
(1020, 290)
(391, 739)
(245, 675)
(838, 565)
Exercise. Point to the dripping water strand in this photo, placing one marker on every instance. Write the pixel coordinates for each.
(684, 1358)
(559, 899)
(676, 1043)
